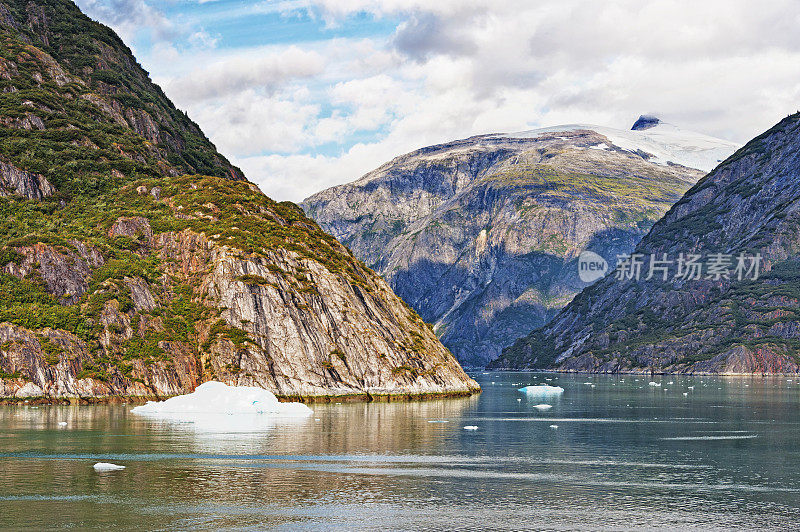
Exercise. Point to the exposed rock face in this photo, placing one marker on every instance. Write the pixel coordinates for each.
(65, 272)
(481, 236)
(276, 318)
(749, 205)
(22, 183)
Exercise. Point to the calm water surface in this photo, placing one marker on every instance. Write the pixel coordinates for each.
(612, 452)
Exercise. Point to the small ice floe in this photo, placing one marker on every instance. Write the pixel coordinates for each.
(553, 427)
(670, 382)
(62, 423)
(471, 427)
(519, 400)
(105, 466)
(438, 421)
(654, 383)
(543, 407)
(685, 394)
(542, 390)
(589, 383)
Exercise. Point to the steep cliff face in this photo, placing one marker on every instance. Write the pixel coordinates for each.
(749, 205)
(121, 275)
(481, 236)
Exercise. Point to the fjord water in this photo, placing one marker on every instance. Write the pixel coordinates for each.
(613, 451)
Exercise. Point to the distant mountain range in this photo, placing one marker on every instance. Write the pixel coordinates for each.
(481, 236)
(744, 217)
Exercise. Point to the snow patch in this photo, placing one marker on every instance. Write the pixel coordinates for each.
(664, 143)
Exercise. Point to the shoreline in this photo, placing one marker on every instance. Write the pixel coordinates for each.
(311, 399)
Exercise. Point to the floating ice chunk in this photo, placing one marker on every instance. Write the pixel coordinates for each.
(553, 427)
(219, 398)
(217, 407)
(471, 427)
(543, 407)
(654, 383)
(542, 390)
(438, 421)
(105, 466)
(685, 394)
(670, 382)
(588, 383)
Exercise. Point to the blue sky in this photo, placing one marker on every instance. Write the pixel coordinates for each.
(305, 94)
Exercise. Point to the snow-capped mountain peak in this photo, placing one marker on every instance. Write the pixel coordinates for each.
(664, 143)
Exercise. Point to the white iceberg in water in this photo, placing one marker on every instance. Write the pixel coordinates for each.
(471, 427)
(653, 383)
(104, 466)
(543, 407)
(217, 407)
(542, 390)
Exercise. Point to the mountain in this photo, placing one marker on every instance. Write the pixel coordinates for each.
(481, 236)
(135, 260)
(721, 319)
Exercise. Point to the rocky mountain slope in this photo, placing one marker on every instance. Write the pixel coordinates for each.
(136, 261)
(748, 206)
(481, 236)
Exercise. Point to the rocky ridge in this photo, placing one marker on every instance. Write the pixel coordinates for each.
(481, 236)
(749, 205)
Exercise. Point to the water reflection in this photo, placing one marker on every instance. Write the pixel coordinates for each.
(625, 454)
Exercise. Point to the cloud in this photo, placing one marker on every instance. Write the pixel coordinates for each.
(129, 17)
(426, 34)
(335, 88)
(238, 73)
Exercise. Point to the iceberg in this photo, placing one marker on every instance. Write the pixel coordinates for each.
(105, 466)
(653, 383)
(470, 427)
(542, 390)
(217, 407)
(543, 407)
